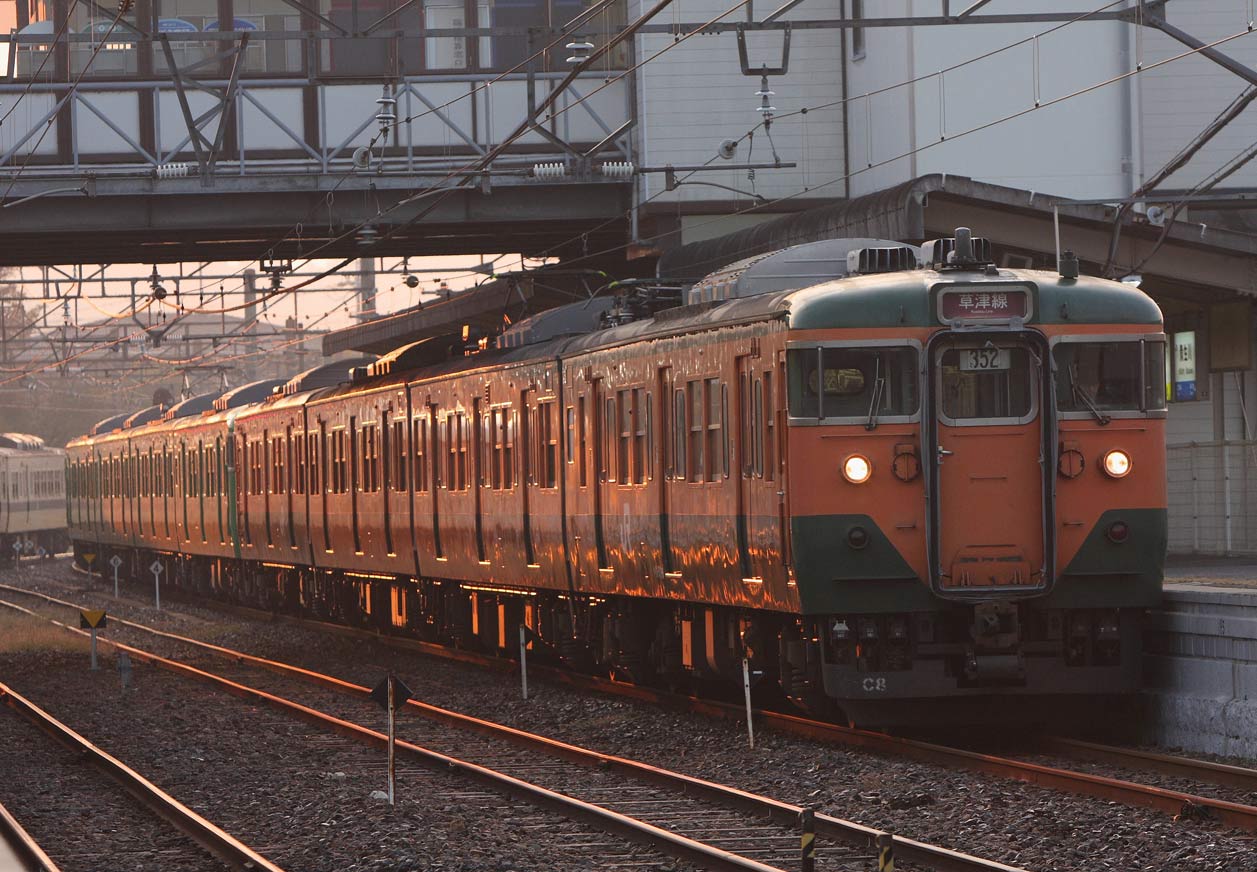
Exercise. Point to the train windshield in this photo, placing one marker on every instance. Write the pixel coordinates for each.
(1122, 376)
(855, 383)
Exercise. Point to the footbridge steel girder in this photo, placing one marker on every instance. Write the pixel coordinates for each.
(244, 219)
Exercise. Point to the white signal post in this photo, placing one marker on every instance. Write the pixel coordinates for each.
(392, 739)
(523, 660)
(746, 687)
(156, 569)
(115, 562)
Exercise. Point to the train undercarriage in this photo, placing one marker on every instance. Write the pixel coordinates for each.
(871, 669)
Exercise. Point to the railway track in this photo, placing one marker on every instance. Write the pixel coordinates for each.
(196, 844)
(18, 850)
(1177, 803)
(703, 822)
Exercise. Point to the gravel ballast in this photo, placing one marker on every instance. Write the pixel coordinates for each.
(1016, 823)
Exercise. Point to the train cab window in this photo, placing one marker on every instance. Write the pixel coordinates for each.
(987, 383)
(852, 383)
(1121, 376)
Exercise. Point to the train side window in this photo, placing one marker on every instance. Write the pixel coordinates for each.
(400, 478)
(451, 451)
(724, 428)
(464, 446)
(715, 416)
(770, 429)
(697, 430)
(638, 422)
(648, 465)
(757, 431)
(608, 441)
(548, 441)
(570, 434)
(419, 432)
(582, 424)
(277, 465)
(679, 434)
(625, 436)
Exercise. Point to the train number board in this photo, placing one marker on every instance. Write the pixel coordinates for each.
(983, 359)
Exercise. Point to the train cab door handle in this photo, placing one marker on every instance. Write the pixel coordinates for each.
(943, 452)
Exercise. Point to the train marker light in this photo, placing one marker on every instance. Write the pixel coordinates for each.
(857, 537)
(1117, 532)
(1116, 463)
(857, 469)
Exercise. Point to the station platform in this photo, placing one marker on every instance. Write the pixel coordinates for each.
(1220, 571)
(1200, 661)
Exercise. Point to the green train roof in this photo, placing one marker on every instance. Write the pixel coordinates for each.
(909, 299)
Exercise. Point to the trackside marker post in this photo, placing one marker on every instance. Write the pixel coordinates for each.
(390, 694)
(746, 688)
(115, 562)
(156, 569)
(885, 853)
(523, 660)
(92, 619)
(807, 842)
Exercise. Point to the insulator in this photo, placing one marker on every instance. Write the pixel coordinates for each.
(174, 171)
(618, 169)
(549, 171)
(124, 6)
(580, 52)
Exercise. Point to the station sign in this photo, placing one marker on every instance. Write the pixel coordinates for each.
(1185, 366)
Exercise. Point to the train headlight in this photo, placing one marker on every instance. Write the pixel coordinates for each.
(1116, 463)
(857, 469)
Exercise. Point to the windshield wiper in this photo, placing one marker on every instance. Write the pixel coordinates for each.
(1081, 396)
(879, 386)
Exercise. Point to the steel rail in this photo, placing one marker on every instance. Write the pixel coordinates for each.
(782, 813)
(674, 844)
(26, 848)
(1222, 774)
(215, 840)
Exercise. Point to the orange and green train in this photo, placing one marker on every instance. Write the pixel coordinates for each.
(894, 488)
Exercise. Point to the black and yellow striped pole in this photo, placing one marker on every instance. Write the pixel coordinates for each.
(807, 842)
(885, 853)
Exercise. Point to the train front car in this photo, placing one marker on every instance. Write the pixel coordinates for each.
(978, 494)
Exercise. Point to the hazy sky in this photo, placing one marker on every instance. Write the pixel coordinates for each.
(320, 307)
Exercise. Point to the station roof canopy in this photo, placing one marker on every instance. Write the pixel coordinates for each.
(1194, 258)
(1194, 261)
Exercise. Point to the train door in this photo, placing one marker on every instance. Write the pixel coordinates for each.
(600, 438)
(744, 464)
(479, 432)
(533, 471)
(990, 461)
(433, 458)
(664, 393)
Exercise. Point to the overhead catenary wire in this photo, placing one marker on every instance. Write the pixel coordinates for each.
(841, 178)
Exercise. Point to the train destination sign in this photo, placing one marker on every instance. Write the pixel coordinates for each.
(994, 304)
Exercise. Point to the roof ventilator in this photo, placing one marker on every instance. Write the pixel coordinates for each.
(864, 261)
(962, 251)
